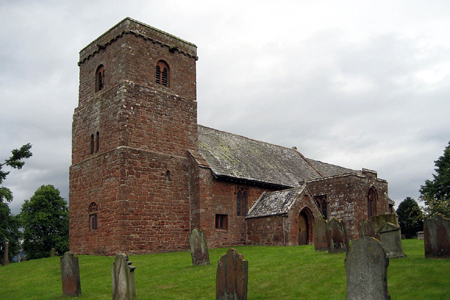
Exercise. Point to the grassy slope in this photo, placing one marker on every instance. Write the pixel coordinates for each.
(274, 273)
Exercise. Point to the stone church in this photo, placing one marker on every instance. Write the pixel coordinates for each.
(144, 173)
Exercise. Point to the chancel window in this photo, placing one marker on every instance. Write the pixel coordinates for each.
(222, 222)
(322, 204)
(162, 73)
(93, 208)
(241, 203)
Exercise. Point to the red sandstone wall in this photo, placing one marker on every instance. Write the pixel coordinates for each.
(347, 198)
(266, 231)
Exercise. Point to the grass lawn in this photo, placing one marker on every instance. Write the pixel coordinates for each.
(274, 273)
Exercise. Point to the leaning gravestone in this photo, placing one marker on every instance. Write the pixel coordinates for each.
(391, 240)
(5, 260)
(366, 265)
(199, 248)
(436, 232)
(371, 226)
(123, 286)
(70, 275)
(337, 236)
(320, 235)
(232, 276)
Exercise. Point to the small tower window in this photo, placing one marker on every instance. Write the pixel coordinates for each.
(92, 144)
(162, 73)
(97, 142)
(100, 78)
(241, 203)
(93, 208)
(168, 176)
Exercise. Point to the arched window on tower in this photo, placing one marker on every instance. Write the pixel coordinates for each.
(372, 202)
(93, 208)
(162, 73)
(100, 78)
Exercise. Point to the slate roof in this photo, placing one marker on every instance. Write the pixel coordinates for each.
(232, 156)
(274, 203)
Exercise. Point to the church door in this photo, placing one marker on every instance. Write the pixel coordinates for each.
(305, 227)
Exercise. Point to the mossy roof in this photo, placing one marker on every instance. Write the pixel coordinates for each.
(232, 156)
(274, 203)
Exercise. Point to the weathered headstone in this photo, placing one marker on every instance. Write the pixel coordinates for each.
(52, 252)
(199, 247)
(232, 276)
(371, 226)
(366, 265)
(337, 236)
(391, 240)
(70, 275)
(5, 260)
(420, 235)
(320, 235)
(437, 237)
(123, 286)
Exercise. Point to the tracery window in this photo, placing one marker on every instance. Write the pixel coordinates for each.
(162, 73)
(100, 78)
(241, 203)
(322, 204)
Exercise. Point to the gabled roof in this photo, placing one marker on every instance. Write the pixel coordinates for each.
(274, 203)
(232, 156)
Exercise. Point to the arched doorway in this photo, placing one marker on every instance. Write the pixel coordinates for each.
(305, 227)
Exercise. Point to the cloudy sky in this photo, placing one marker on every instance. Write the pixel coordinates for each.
(361, 84)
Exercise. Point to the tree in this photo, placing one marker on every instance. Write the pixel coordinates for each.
(436, 192)
(9, 224)
(410, 217)
(45, 220)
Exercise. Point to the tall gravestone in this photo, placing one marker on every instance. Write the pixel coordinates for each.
(391, 240)
(371, 226)
(122, 272)
(436, 232)
(320, 235)
(366, 265)
(70, 275)
(232, 276)
(199, 247)
(337, 236)
(5, 260)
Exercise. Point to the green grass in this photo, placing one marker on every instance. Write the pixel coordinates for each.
(274, 273)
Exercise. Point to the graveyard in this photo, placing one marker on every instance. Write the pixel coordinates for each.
(274, 272)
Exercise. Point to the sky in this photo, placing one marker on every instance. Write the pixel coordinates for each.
(356, 83)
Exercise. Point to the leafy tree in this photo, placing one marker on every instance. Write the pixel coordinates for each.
(9, 224)
(45, 220)
(410, 217)
(436, 192)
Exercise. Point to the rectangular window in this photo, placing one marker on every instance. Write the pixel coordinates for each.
(222, 222)
(241, 203)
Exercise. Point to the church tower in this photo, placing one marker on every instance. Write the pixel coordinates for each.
(135, 122)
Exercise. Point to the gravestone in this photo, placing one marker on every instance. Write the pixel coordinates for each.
(366, 265)
(391, 240)
(122, 272)
(420, 235)
(436, 233)
(70, 275)
(232, 276)
(52, 252)
(337, 236)
(320, 235)
(371, 226)
(199, 247)
(5, 260)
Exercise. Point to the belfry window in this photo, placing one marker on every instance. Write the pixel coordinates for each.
(93, 208)
(241, 203)
(162, 73)
(100, 78)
